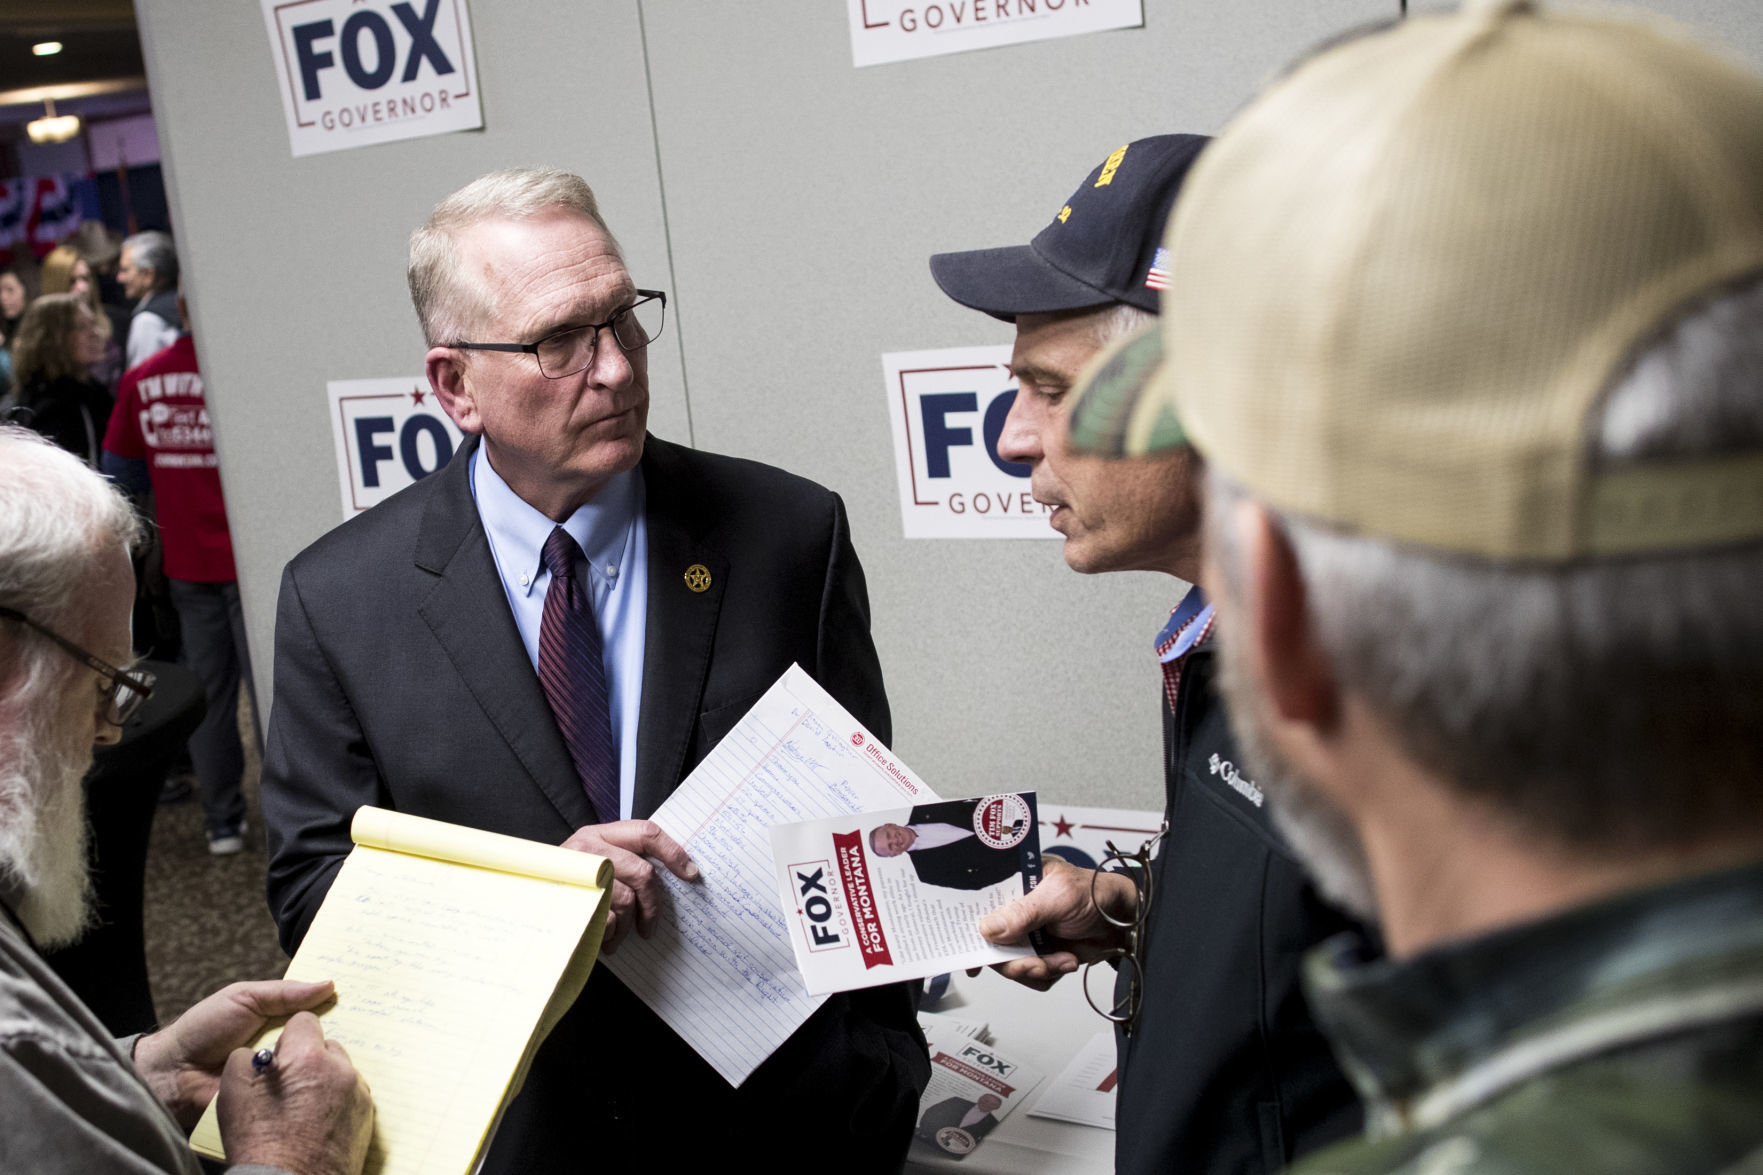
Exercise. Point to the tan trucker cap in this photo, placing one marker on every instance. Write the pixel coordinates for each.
(1402, 278)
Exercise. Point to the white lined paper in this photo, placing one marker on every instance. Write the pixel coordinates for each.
(719, 969)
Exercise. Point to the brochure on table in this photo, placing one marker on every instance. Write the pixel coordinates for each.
(973, 1086)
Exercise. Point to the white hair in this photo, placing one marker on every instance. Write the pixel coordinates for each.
(1118, 319)
(43, 830)
(154, 250)
(1607, 705)
(58, 522)
(446, 300)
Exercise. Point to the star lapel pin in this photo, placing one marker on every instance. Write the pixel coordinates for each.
(698, 577)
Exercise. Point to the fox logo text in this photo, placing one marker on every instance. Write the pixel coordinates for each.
(823, 923)
(355, 72)
(388, 434)
(948, 409)
(980, 1058)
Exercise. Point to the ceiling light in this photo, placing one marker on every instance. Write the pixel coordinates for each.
(46, 48)
(51, 128)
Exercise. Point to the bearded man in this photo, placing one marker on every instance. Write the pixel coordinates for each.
(72, 1099)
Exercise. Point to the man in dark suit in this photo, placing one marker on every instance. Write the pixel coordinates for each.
(940, 841)
(418, 668)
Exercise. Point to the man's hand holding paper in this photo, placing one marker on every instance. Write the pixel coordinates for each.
(637, 892)
(1064, 908)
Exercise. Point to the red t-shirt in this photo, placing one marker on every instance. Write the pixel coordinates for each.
(161, 418)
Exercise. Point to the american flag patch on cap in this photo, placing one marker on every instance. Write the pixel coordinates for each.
(1158, 277)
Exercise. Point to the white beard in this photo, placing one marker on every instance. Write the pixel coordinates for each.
(1318, 831)
(43, 830)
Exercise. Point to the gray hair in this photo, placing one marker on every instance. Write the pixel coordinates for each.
(1118, 319)
(1608, 706)
(154, 250)
(446, 301)
(57, 520)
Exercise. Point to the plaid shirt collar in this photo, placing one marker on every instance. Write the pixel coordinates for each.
(1189, 627)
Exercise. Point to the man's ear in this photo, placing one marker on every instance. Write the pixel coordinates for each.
(446, 372)
(1290, 662)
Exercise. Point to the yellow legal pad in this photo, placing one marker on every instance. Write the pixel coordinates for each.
(455, 952)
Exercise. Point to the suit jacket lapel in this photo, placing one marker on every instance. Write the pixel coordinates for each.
(681, 628)
(469, 615)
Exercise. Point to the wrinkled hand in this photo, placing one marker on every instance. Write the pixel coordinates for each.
(636, 886)
(182, 1063)
(311, 1114)
(1063, 907)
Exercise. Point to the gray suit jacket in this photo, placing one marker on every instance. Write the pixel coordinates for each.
(401, 681)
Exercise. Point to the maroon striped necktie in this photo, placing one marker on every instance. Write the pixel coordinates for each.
(574, 677)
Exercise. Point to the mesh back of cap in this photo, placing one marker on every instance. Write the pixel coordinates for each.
(1406, 273)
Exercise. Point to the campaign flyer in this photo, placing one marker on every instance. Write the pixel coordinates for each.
(973, 1086)
(896, 894)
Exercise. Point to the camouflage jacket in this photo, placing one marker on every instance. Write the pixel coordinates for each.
(1623, 1036)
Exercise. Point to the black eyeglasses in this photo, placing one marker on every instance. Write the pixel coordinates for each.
(569, 351)
(127, 688)
(1123, 1007)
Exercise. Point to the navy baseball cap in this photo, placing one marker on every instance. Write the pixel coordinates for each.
(1103, 245)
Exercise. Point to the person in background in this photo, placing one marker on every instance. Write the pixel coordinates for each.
(160, 438)
(52, 356)
(14, 297)
(66, 272)
(92, 273)
(148, 272)
(57, 275)
(101, 250)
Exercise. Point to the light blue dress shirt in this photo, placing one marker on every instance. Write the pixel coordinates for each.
(613, 535)
(1191, 619)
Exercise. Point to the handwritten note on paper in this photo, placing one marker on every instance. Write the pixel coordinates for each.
(719, 969)
(448, 973)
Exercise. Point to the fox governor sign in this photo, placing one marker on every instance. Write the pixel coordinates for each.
(357, 72)
(389, 433)
(948, 408)
(900, 30)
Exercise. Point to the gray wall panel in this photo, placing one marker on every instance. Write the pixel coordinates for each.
(295, 267)
(804, 197)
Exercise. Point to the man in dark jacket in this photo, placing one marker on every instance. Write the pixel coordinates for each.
(1484, 527)
(1221, 1068)
(543, 638)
